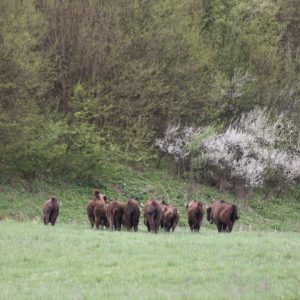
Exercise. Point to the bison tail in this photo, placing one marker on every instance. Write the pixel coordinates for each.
(130, 210)
(234, 216)
(208, 211)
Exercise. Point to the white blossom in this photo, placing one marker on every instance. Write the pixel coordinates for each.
(176, 141)
(252, 146)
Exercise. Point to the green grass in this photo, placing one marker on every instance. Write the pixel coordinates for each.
(71, 261)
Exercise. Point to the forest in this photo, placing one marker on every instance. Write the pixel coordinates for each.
(84, 84)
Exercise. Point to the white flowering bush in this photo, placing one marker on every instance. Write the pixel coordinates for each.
(176, 141)
(258, 150)
(255, 147)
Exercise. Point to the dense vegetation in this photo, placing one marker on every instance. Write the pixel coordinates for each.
(83, 84)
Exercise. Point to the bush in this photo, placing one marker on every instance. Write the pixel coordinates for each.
(258, 150)
(39, 147)
(177, 142)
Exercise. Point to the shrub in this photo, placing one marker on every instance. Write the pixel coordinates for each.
(176, 143)
(258, 150)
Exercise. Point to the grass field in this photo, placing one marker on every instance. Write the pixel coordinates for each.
(259, 260)
(71, 261)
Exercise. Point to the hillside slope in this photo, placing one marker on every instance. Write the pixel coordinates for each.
(22, 200)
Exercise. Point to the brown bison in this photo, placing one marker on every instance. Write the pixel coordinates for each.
(90, 212)
(115, 214)
(152, 215)
(131, 215)
(223, 214)
(100, 213)
(91, 206)
(50, 211)
(99, 216)
(170, 218)
(195, 212)
(164, 206)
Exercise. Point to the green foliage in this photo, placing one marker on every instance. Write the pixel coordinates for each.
(39, 147)
(81, 78)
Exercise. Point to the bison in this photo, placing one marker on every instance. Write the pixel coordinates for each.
(170, 218)
(223, 214)
(99, 208)
(115, 214)
(91, 205)
(50, 211)
(164, 206)
(100, 213)
(131, 215)
(152, 215)
(195, 212)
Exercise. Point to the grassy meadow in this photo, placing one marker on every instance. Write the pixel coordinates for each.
(259, 260)
(71, 261)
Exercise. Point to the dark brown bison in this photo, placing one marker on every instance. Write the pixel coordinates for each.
(223, 214)
(50, 211)
(100, 213)
(131, 215)
(91, 206)
(152, 215)
(170, 218)
(115, 214)
(195, 212)
(164, 206)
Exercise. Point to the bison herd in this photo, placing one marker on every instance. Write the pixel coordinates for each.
(157, 214)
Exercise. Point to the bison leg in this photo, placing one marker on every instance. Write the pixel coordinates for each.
(52, 221)
(46, 219)
(53, 217)
(97, 222)
(147, 223)
(191, 225)
(156, 227)
(103, 223)
(230, 226)
(92, 222)
(106, 222)
(151, 223)
(219, 226)
(119, 223)
(224, 227)
(175, 223)
(116, 223)
(127, 223)
(135, 223)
